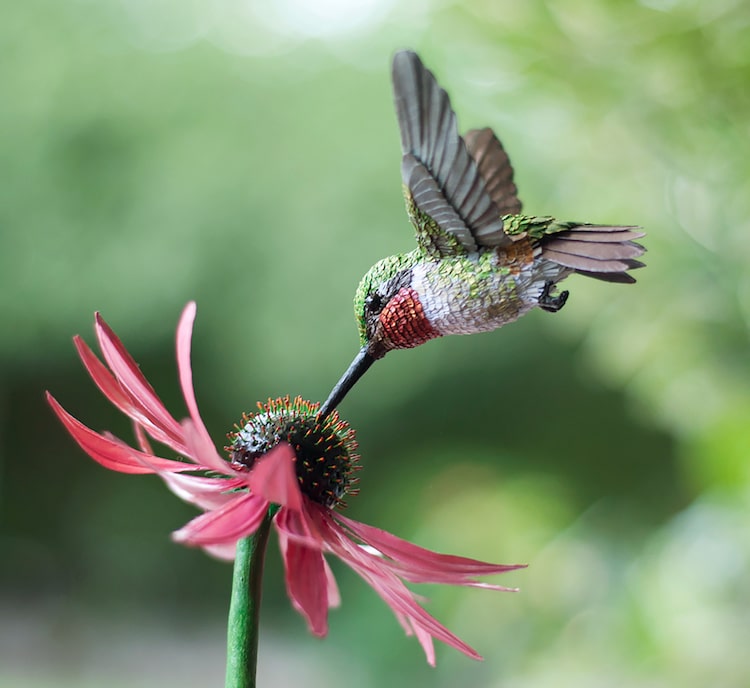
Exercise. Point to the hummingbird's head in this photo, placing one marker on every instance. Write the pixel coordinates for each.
(389, 316)
(374, 305)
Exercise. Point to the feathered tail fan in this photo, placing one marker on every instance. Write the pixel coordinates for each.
(605, 252)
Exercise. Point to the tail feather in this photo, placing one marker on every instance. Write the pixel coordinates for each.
(579, 229)
(598, 250)
(617, 277)
(614, 236)
(603, 252)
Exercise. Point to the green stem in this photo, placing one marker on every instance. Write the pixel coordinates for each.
(244, 609)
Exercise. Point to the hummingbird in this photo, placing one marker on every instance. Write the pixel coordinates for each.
(479, 263)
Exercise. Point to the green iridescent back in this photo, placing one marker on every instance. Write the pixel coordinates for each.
(535, 227)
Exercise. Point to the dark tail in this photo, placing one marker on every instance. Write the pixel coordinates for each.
(605, 252)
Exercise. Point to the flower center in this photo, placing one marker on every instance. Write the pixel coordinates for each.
(324, 448)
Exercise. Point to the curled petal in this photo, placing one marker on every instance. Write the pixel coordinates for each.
(112, 453)
(274, 478)
(238, 518)
(129, 405)
(307, 583)
(131, 378)
(297, 526)
(206, 493)
(103, 378)
(184, 337)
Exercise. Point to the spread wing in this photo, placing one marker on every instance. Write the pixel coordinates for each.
(494, 166)
(447, 196)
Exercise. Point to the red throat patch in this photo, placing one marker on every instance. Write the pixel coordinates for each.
(404, 323)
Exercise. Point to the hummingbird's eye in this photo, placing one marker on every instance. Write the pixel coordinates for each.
(374, 303)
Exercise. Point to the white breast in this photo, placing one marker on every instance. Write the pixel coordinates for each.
(465, 295)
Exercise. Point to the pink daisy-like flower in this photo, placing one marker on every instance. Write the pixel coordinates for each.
(286, 457)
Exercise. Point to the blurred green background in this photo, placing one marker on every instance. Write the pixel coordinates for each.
(245, 154)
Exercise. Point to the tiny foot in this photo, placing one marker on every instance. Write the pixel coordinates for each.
(551, 303)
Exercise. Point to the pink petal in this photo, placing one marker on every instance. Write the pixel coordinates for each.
(131, 378)
(224, 550)
(184, 337)
(100, 374)
(206, 493)
(274, 478)
(332, 589)
(126, 403)
(142, 439)
(404, 622)
(111, 453)
(425, 640)
(297, 526)
(421, 565)
(148, 455)
(236, 519)
(307, 584)
(391, 589)
(202, 450)
(400, 599)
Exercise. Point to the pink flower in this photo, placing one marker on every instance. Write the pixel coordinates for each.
(267, 470)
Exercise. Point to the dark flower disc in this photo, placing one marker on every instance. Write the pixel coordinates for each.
(325, 448)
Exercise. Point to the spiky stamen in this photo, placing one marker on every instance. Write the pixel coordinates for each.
(325, 447)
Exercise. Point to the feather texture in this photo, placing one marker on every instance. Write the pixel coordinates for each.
(494, 166)
(430, 200)
(604, 252)
(429, 136)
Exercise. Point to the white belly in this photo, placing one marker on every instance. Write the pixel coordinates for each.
(464, 295)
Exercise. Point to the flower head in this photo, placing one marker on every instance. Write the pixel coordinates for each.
(324, 448)
(285, 457)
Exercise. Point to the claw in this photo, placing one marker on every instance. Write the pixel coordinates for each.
(550, 303)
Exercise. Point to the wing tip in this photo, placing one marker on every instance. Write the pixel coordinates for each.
(406, 59)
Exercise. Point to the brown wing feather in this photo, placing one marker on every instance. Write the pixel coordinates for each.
(495, 168)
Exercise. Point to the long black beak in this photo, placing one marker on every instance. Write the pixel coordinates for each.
(356, 370)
